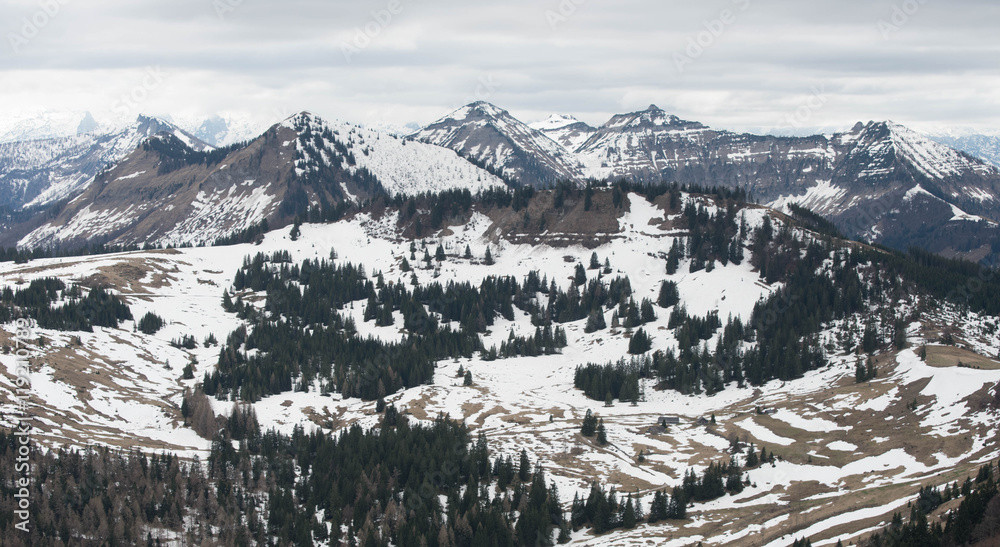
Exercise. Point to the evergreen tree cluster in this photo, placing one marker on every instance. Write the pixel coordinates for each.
(150, 323)
(714, 482)
(639, 343)
(545, 341)
(976, 520)
(604, 511)
(175, 154)
(54, 305)
(864, 372)
(619, 379)
(382, 485)
(23, 256)
(713, 237)
(302, 336)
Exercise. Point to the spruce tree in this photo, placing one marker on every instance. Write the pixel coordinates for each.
(589, 426)
(602, 433)
(669, 295)
(628, 518)
(524, 467)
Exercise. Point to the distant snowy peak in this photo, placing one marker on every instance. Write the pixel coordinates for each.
(932, 159)
(643, 145)
(491, 137)
(554, 121)
(478, 110)
(42, 171)
(147, 126)
(568, 131)
(49, 124)
(881, 144)
(226, 128)
(653, 118)
(983, 146)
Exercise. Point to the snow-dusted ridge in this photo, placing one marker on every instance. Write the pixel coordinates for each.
(403, 166)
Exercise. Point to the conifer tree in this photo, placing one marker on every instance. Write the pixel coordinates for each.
(628, 518)
(589, 426)
(669, 295)
(524, 467)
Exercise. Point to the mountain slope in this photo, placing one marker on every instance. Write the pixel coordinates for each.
(491, 137)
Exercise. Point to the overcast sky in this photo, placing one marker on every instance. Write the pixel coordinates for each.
(736, 64)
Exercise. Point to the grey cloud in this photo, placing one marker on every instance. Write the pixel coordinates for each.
(589, 58)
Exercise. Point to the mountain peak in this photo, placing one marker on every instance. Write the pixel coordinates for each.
(88, 124)
(553, 122)
(483, 108)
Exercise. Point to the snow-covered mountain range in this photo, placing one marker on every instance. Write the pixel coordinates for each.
(38, 172)
(984, 147)
(167, 192)
(879, 181)
(859, 178)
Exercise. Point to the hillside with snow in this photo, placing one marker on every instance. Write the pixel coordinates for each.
(848, 453)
